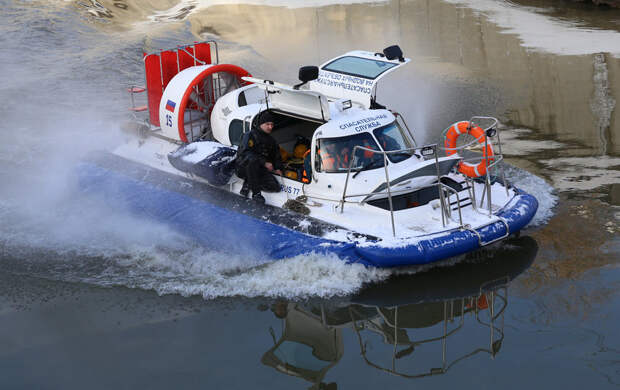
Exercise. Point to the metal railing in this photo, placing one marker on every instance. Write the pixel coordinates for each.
(489, 132)
(441, 188)
(133, 89)
(444, 191)
(401, 121)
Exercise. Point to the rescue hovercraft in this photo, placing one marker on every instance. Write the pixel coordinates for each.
(387, 201)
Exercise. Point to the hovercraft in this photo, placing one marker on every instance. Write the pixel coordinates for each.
(388, 202)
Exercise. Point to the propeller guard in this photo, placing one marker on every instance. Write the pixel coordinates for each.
(190, 95)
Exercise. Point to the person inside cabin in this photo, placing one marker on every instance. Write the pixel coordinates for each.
(335, 156)
(329, 156)
(366, 157)
(306, 175)
(258, 159)
(388, 142)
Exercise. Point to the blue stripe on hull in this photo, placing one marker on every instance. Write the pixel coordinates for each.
(455, 243)
(229, 230)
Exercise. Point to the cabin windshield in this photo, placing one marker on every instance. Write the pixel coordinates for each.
(336, 154)
(391, 137)
(358, 66)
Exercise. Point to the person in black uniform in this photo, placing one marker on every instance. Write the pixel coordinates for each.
(258, 159)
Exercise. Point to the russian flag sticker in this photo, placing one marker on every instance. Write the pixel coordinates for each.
(170, 105)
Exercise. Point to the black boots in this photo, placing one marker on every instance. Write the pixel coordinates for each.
(245, 190)
(258, 198)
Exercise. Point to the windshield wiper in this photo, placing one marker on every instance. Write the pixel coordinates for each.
(369, 165)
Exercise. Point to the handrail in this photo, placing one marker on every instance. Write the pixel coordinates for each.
(432, 147)
(244, 122)
(212, 44)
(201, 62)
(446, 209)
(183, 47)
(490, 131)
(404, 122)
(458, 202)
(394, 192)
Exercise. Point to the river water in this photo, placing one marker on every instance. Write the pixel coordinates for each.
(93, 297)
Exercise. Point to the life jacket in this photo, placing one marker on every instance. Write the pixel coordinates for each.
(343, 160)
(368, 154)
(305, 178)
(284, 154)
(327, 160)
(300, 150)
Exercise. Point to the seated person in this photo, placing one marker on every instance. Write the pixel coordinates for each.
(329, 156)
(335, 156)
(294, 163)
(306, 176)
(284, 155)
(258, 158)
(302, 144)
(365, 157)
(387, 142)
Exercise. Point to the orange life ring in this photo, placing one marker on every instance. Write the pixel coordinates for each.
(469, 169)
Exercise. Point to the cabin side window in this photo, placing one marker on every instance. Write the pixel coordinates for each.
(235, 131)
(415, 198)
(250, 96)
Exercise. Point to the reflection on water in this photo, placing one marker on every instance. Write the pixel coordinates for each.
(400, 327)
(582, 14)
(583, 237)
(307, 346)
(413, 326)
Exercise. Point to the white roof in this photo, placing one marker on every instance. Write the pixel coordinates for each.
(355, 121)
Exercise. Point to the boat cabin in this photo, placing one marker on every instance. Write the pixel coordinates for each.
(331, 131)
(330, 120)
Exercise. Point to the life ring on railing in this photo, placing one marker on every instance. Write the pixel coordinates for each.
(469, 169)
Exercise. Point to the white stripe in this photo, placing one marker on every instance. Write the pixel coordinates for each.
(476, 170)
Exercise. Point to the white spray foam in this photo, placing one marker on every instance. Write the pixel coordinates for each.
(109, 247)
(212, 275)
(539, 188)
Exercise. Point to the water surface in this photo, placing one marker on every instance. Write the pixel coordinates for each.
(94, 297)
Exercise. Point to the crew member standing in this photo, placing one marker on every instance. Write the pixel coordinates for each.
(258, 159)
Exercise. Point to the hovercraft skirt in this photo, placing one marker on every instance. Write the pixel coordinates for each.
(264, 232)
